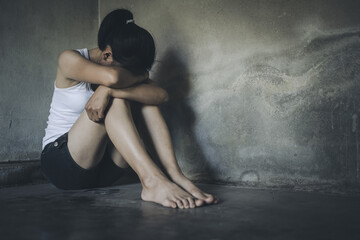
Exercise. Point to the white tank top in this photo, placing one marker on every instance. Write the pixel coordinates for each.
(66, 106)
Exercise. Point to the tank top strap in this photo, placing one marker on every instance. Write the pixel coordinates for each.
(84, 52)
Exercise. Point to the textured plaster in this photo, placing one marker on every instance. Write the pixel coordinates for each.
(262, 92)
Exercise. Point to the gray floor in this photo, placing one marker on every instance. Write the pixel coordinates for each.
(43, 212)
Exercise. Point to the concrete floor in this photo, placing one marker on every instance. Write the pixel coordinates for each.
(43, 212)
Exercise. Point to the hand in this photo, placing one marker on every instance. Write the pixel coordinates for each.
(95, 107)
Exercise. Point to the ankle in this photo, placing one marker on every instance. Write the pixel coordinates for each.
(177, 176)
(152, 181)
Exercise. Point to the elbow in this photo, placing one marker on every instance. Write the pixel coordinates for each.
(165, 97)
(112, 78)
(120, 78)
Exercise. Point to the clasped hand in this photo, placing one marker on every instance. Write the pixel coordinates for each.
(96, 106)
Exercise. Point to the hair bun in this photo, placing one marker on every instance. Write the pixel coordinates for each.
(132, 46)
(130, 21)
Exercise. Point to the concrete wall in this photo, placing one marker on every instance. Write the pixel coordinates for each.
(33, 33)
(263, 92)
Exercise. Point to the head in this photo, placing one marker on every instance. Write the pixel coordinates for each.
(124, 43)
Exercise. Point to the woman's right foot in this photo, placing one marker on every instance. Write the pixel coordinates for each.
(166, 193)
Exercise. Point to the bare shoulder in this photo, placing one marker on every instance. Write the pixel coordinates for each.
(74, 68)
(69, 53)
(61, 80)
(69, 56)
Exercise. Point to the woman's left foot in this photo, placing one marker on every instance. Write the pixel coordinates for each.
(202, 197)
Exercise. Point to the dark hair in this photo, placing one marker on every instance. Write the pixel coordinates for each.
(132, 46)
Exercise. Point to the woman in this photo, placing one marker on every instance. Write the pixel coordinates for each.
(91, 136)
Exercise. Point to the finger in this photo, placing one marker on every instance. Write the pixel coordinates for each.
(90, 115)
(93, 117)
(98, 116)
(101, 114)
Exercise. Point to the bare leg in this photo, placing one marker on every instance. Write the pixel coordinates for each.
(156, 186)
(87, 154)
(88, 140)
(116, 156)
(161, 139)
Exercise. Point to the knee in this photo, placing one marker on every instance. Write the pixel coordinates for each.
(145, 109)
(118, 105)
(119, 102)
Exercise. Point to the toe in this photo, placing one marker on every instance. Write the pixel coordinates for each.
(191, 202)
(179, 203)
(209, 198)
(198, 194)
(185, 203)
(173, 204)
(205, 197)
(168, 203)
(199, 202)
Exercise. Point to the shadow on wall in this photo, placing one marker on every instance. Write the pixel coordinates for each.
(172, 74)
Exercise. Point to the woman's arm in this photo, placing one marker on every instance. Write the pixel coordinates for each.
(147, 93)
(73, 66)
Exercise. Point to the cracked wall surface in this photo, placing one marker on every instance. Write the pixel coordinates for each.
(262, 92)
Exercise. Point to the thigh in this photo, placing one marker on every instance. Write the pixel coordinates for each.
(61, 170)
(87, 142)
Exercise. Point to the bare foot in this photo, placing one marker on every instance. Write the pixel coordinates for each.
(201, 196)
(166, 193)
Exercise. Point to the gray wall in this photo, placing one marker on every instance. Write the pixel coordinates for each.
(33, 33)
(262, 92)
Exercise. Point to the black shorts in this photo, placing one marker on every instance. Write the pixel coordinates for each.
(60, 169)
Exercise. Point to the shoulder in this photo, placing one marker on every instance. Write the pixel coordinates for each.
(73, 66)
(66, 59)
(71, 61)
(69, 55)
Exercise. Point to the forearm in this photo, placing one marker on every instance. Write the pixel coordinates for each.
(143, 93)
(122, 78)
